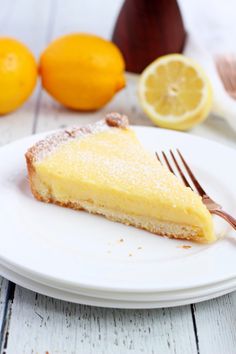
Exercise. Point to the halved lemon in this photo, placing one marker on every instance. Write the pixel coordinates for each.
(175, 92)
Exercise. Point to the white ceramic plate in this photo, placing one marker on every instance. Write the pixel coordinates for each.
(186, 298)
(73, 250)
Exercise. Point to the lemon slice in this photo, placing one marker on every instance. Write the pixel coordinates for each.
(174, 92)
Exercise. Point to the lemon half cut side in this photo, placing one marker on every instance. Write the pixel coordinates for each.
(175, 92)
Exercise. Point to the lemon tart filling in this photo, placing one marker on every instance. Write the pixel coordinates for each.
(110, 173)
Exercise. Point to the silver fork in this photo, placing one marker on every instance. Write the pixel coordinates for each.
(212, 206)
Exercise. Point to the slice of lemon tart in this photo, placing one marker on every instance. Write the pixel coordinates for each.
(104, 169)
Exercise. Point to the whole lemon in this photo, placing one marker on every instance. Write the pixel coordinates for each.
(18, 74)
(82, 71)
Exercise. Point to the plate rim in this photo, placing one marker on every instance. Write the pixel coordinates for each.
(64, 295)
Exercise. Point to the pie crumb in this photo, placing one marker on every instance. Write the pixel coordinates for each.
(140, 248)
(130, 255)
(186, 247)
(121, 240)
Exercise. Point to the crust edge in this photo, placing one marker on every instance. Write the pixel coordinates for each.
(49, 144)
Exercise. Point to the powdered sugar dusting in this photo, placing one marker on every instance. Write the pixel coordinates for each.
(48, 145)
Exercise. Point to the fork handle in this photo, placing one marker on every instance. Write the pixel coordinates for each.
(226, 216)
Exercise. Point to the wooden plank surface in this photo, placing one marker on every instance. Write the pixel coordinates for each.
(5, 306)
(216, 324)
(38, 324)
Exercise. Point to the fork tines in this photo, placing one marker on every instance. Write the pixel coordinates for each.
(178, 165)
(175, 166)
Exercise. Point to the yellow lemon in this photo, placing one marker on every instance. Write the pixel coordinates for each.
(18, 74)
(174, 92)
(82, 71)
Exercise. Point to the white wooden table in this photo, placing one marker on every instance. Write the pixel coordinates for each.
(33, 323)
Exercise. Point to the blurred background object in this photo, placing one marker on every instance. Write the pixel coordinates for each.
(18, 74)
(208, 24)
(226, 66)
(146, 30)
(212, 22)
(82, 71)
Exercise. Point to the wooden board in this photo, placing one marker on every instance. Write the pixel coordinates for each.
(54, 326)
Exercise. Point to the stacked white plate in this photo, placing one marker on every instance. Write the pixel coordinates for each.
(87, 259)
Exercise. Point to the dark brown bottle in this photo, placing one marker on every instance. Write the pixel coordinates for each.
(147, 29)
